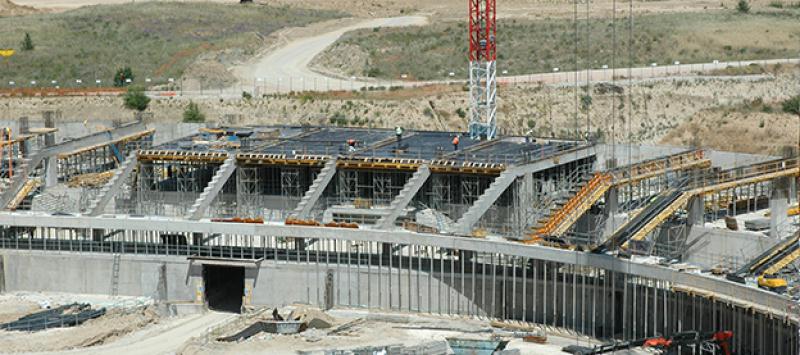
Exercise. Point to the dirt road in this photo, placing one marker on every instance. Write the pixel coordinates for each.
(164, 338)
(291, 62)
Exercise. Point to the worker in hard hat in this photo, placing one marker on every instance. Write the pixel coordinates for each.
(398, 132)
(351, 144)
(456, 140)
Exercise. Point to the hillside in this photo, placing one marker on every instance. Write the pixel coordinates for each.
(538, 46)
(8, 8)
(156, 39)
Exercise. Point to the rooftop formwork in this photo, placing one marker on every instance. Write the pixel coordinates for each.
(279, 174)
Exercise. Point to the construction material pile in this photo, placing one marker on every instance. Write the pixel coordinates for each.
(65, 316)
(91, 179)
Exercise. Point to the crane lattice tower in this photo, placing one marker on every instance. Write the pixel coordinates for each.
(482, 69)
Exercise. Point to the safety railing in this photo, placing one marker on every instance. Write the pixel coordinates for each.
(586, 195)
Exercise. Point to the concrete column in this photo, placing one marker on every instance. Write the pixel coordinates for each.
(611, 201)
(299, 244)
(696, 210)
(2, 275)
(51, 171)
(97, 235)
(778, 204)
(197, 238)
(49, 122)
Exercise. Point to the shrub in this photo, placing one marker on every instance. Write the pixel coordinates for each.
(338, 119)
(792, 105)
(135, 99)
(461, 113)
(192, 113)
(743, 6)
(246, 95)
(122, 76)
(27, 42)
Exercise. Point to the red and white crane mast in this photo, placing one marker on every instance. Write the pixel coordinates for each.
(482, 69)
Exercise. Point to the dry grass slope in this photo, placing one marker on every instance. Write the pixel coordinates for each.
(529, 46)
(156, 39)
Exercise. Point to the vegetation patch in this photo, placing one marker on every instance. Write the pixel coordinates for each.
(538, 46)
(154, 39)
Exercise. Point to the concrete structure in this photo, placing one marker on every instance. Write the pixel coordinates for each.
(417, 204)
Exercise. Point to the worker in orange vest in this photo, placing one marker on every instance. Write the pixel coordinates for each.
(455, 143)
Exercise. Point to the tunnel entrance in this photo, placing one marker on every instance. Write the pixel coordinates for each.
(224, 287)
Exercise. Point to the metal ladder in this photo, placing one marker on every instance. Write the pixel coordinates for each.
(115, 275)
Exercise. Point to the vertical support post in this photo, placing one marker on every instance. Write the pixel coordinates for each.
(2, 274)
(778, 205)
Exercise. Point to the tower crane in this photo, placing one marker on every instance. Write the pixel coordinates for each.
(482, 69)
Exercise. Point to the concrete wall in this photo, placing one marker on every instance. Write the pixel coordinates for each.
(724, 246)
(273, 283)
(91, 273)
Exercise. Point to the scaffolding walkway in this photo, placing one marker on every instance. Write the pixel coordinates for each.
(558, 223)
(770, 261)
(563, 218)
(29, 186)
(673, 200)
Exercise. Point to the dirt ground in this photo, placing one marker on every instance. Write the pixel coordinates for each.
(117, 322)
(375, 330)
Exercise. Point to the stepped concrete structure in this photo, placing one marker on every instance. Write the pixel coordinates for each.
(344, 217)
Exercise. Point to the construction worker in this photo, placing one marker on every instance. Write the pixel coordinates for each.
(455, 143)
(351, 144)
(398, 132)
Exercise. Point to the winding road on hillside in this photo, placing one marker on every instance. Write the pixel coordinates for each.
(273, 70)
(287, 68)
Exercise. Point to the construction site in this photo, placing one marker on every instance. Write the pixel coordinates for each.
(335, 239)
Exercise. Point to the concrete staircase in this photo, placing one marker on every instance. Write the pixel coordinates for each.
(112, 187)
(32, 163)
(464, 224)
(398, 205)
(306, 205)
(213, 188)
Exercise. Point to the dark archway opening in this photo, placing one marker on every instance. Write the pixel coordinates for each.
(224, 287)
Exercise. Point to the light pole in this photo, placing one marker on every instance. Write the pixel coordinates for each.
(653, 71)
(605, 68)
(555, 70)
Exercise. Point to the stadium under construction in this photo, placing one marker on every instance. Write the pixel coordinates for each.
(615, 242)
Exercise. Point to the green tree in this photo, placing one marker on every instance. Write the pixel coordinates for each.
(27, 42)
(192, 114)
(122, 76)
(792, 105)
(135, 99)
(743, 6)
